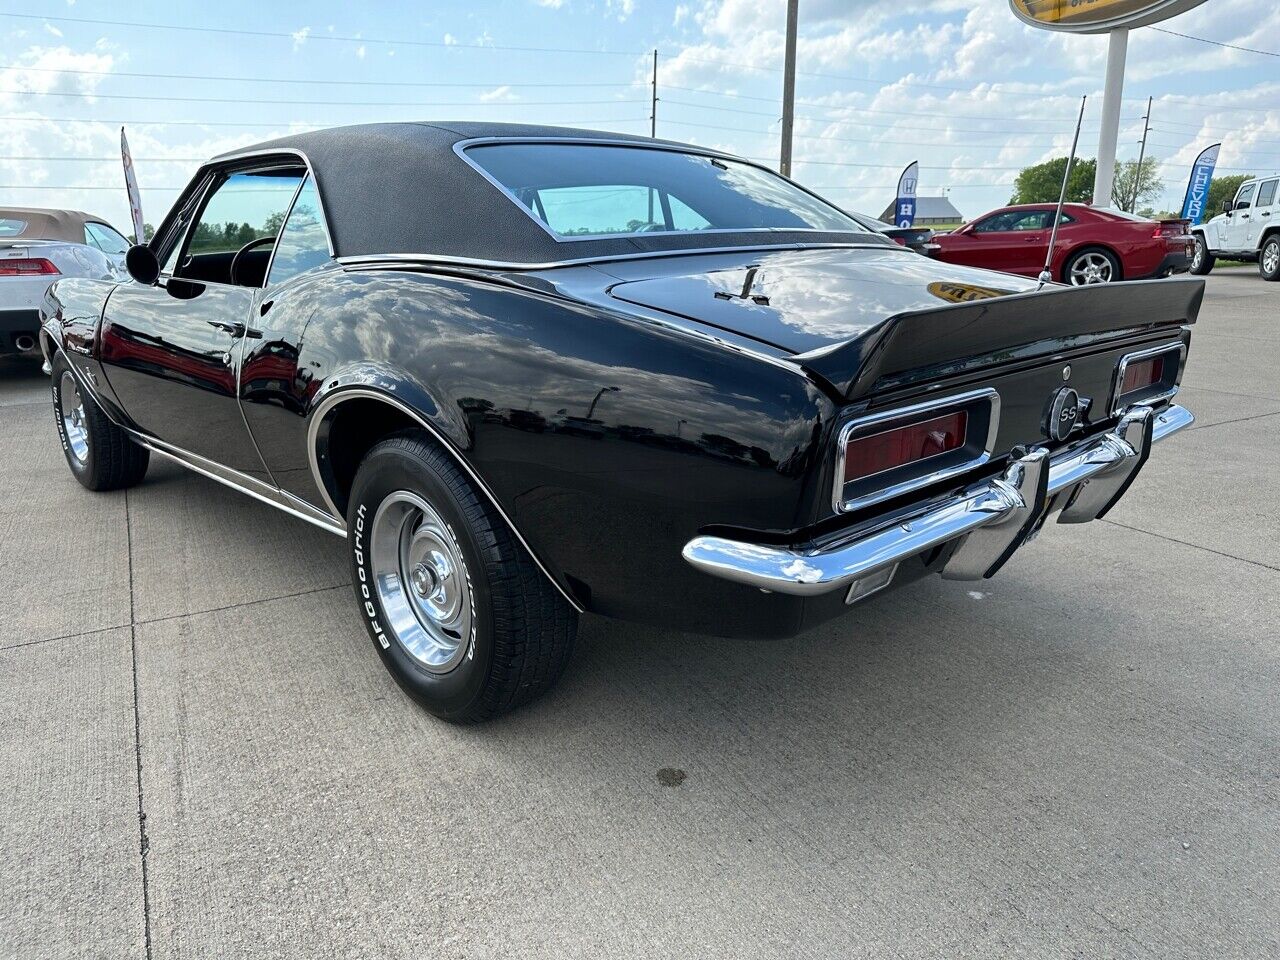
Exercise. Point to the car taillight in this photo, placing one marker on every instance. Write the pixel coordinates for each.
(27, 267)
(1148, 376)
(899, 241)
(878, 452)
(1166, 230)
(1142, 374)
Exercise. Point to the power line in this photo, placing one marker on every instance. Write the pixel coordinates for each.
(312, 124)
(906, 115)
(17, 68)
(315, 103)
(864, 141)
(284, 35)
(1216, 43)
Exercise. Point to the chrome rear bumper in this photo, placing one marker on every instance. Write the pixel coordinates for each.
(994, 518)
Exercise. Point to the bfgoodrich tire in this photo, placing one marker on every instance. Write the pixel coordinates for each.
(461, 615)
(101, 455)
(1202, 260)
(1269, 258)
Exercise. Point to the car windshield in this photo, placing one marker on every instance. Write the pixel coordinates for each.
(594, 190)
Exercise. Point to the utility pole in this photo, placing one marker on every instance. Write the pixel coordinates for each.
(1117, 47)
(653, 100)
(789, 88)
(1142, 152)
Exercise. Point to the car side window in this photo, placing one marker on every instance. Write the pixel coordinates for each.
(105, 238)
(1267, 193)
(245, 207)
(1014, 220)
(304, 242)
(994, 224)
(1245, 196)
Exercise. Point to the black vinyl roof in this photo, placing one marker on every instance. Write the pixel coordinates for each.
(400, 188)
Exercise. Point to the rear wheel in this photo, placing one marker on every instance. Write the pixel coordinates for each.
(1269, 258)
(457, 608)
(1202, 260)
(101, 455)
(1090, 266)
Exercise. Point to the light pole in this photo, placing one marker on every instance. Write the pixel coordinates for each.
(1112, 93)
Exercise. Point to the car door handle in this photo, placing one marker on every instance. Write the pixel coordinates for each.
(1034, 239)
(1266, 213)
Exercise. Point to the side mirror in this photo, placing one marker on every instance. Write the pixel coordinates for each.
(1228, 206)
(142, 264)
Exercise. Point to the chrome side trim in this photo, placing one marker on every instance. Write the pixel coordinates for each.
(907, 415)
(1012, 504)
(243, 483)
(1139, 355)
(350, 393)
(428, 259)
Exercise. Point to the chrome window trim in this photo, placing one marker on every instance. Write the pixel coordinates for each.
(332, 400)
(911, 413)
(1138, 355)
(460, 148)
(373, 259)
(288, 212)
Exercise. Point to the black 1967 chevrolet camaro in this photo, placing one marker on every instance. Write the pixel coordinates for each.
(529, 372)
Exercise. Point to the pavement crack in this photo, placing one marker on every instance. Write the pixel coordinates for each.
(144, 842)
(1194, 546)
(1219, 423)
(246, 603)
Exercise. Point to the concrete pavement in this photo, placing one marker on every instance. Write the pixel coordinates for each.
(203, 757)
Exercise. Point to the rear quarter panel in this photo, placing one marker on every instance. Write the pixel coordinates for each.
(610, 441)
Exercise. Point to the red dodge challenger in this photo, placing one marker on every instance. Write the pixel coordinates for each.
(1095, 244)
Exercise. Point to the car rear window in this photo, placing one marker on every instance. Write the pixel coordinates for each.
(591, 190)
(10, 227)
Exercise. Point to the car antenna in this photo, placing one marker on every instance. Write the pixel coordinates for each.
(1045, 275)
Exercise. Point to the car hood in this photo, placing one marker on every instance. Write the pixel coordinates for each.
(805, 300)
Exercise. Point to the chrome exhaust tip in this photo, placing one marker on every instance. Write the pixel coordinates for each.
(24, 342)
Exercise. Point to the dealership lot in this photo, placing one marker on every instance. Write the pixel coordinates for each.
(203, 756)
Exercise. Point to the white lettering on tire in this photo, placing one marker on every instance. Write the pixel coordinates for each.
(370, 611)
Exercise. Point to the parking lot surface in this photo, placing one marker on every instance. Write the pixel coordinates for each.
(203, 757)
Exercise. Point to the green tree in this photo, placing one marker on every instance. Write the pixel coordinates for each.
(148, 231)
(1132, 186)
(1223, 188)
(1042, 182)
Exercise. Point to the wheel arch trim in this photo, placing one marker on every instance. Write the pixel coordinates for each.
(325, 408)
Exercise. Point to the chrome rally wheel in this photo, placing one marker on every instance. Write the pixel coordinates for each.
(75, 427)
(458, 611)
(422, 581)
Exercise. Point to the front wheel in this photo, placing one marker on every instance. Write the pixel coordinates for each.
(1269, 259)
(1091, 266)
(456, 607)
(1202, 260)
(101, 455)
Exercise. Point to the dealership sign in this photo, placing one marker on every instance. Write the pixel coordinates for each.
(1198, 186)
(1098, 16)
(904, 206)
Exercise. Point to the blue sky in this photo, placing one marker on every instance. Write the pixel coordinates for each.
(961, 86)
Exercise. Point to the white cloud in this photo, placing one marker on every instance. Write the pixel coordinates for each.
(552, 4)
(498, 94)
(623, 8)
(450, 40)
(53, 31)
(360, 51)
(300, 37)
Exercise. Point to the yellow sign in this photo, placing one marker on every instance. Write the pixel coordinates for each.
(964, 292)
(1096, 16)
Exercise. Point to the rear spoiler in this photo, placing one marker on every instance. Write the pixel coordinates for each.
(995, 329)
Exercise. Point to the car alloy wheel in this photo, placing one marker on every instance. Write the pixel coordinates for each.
(1197, 258)
(1093, 266)
(1270, 260)
(422, 581)
(75, 426)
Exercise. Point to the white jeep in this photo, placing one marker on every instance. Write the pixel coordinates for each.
(1247, 229)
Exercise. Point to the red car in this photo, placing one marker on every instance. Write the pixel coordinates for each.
(1095, 244)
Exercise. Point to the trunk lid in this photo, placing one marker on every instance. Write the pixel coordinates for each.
(870, 319)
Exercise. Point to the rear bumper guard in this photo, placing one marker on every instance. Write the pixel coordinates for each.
(991, 519)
